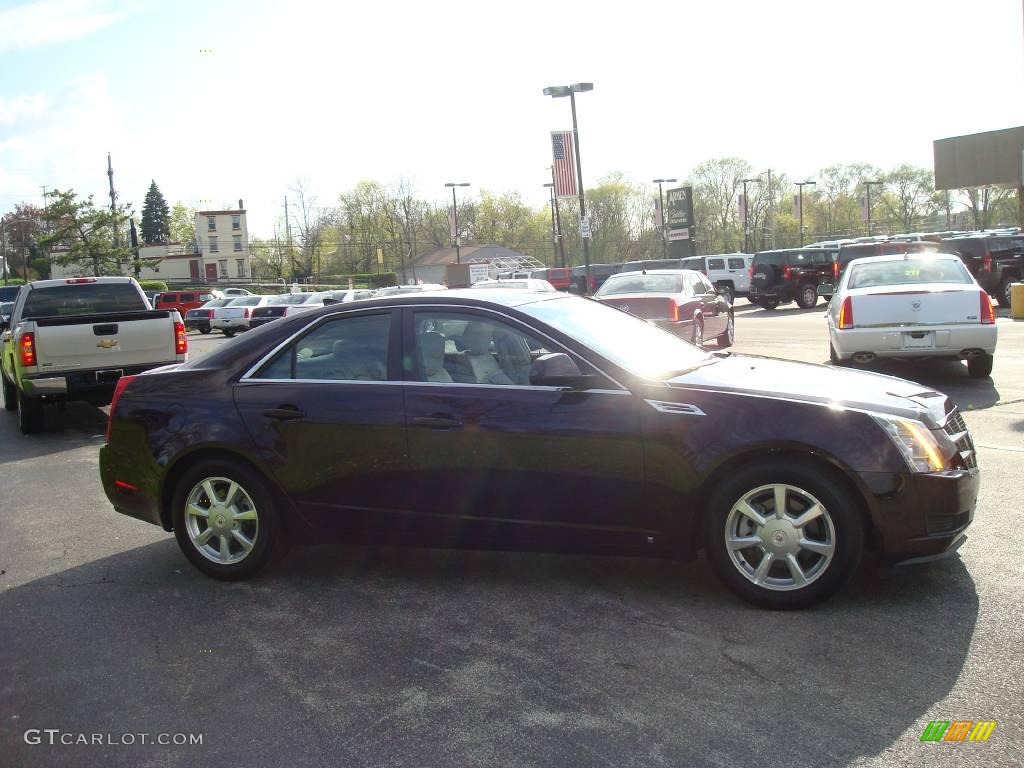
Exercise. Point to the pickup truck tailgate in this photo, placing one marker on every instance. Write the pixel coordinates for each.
(923, 305)
(112, 340)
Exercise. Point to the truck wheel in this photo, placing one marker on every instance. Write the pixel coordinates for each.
(979, 367)
(807, 296)
(228, 332)
(770, 303)
(1003, 294)
(10, 394)
(30, 414)
(204, 331)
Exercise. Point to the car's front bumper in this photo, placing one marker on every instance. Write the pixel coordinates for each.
(918, 517)
(895, 341)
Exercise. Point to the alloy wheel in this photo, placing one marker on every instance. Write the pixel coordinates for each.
(698, 333)
(780, 537)
(221, 520)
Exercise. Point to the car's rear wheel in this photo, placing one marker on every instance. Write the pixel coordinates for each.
(807, 296)
(10, 394)
(1003, 294)
(979, 367)
(226, 520)
(30, 414)
(204, 331)
(229, 332)
(698, 332)
(727, 338)
(783, 535)
(834, 356)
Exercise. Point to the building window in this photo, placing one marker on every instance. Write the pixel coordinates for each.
(236, 222)
(236, 241)
(240, 267)
(213, 245)
(223, 267)
(211, 224)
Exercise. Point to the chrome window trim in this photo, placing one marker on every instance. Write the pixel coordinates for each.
(249, 374)
(445, 384)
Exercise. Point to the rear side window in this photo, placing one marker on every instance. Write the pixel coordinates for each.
(737, 264)
(167, 298)
(186, 297)
(346, 349)
(821, 258)
(800, 259)
(846, 255)
(716, 264)
(83, 299)
(693, 264)
(1005, 246)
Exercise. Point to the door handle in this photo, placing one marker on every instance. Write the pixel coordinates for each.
(437, 422)
(285, 413)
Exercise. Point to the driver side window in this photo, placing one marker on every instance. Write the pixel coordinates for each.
(453, 347)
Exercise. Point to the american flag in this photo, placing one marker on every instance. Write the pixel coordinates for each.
(563, 156)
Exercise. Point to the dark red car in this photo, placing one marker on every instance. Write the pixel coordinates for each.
(680, 300)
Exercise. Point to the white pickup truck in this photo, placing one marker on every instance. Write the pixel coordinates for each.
(73, 339)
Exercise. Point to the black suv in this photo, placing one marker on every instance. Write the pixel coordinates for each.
(598, 274)
(793, 274)
(851, 251)
(996, 261)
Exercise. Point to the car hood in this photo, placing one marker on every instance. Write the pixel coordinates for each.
(819, 384)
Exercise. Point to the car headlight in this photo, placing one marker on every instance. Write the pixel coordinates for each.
(915, 441)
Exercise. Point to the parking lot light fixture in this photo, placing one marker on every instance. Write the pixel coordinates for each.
(661, 207)
(455, 216)
(558, 92)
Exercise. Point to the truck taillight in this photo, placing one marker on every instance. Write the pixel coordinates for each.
(122, 384)
(180, 339)
(27, 347)
(988, 315)
(750, 272)
(846, 313)
(785, 272)
(835, 270)
(986, 262)
(248, 312)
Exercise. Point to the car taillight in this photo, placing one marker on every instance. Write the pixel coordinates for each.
(750, 272)
(122, 384)
(673, 309)
(988, 315)
(835, 271)
(248, 312)
(846, 313)
(27, 346)
(785, 272)
(986, 262)
(180, 339)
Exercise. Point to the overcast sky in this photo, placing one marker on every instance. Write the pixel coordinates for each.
(338, 92)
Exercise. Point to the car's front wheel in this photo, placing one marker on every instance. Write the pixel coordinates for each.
(782, 535)
(1003, 294)
(727, 338)
(229, 332)
(226, 520)
(807, 296)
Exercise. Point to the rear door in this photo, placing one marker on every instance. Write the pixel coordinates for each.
(326, 413)
(737, 266)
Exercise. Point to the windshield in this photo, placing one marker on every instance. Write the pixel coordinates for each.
(908, 272)
(638, 283)
(629, 342)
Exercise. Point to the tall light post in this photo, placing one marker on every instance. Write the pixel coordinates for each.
(554, 232)
(867, 186)
(800, 185)
(746, 217)
(558, 92)
(661, 207)
(559, 237)
(455, 216)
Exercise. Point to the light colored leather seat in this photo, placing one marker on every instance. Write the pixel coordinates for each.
(478, 360)
(431, 347)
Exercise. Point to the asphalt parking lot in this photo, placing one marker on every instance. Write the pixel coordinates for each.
(385, 657)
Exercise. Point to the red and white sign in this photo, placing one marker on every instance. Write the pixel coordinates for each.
(679, 234)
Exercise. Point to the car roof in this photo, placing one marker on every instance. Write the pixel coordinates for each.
(931, 255)
(656, 272)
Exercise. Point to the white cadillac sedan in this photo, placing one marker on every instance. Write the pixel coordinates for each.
(911, 305)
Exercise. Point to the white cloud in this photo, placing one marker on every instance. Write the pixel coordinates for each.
(53, 21)
(13, 109)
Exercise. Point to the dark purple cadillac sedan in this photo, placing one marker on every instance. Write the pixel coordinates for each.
(514, 419)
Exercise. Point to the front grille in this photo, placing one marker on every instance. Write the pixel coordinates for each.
(957, 430)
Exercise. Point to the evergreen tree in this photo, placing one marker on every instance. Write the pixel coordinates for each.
(156, 216)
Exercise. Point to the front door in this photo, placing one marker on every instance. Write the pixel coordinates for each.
(211, 273)
(193, 269)
(499, 458)
(325, 415)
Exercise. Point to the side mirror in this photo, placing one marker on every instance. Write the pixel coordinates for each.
(557, 369)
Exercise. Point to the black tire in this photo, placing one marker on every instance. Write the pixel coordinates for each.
(30, 414)
(727, 337)
(10, 394)
(1003, 294)
(770, 304)
(980, 367)
(841, 509)
(807, 296)
(229, 332)
(204, 331)
(269, 539)
(834, 356)
(725, 291)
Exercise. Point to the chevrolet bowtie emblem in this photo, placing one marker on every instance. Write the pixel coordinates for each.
(106, 343)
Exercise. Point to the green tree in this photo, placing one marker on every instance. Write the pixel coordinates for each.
(156, 216)
(84, 233)
(182, 224)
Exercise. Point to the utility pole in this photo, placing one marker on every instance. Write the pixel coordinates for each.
(800, 205)
(746, 213)
(113, 201)
(771, 210)
(288, 236)
(867, 186)
(558, 221)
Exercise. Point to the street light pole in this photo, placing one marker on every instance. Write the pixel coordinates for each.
(455, 216)
(558, 92)
(554, 232)
(800, 185)
(868, 185)
(558, 221)
(661, 204)
(746, 215)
